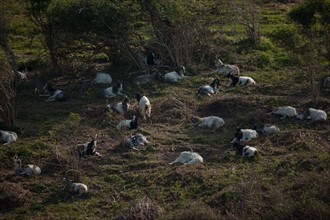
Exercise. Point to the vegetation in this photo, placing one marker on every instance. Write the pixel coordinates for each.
(283, 45)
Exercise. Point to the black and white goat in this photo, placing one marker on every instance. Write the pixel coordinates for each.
(103, 78)
(112, 91)
(8, 137)
(210, 122)
(209, 89)
(128, 124)
(52, 93)
(145, 79)
(188, 157)
(226, 69)
(316, 115)
(244, 150)
(175, 76)
(136, 141)
(75, 188)
(244, 135)
(285, 111)
(267, 129)
(25, 170)
(144, 106)
(120, 107)
(241, 81)
(88, 148)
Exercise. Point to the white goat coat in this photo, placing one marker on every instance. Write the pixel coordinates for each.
(317, 114)
(286, 111)
(270, 129)
(118, 107)
(211, 122)
(124, 124)
(103, 78)
(145, 107)
(8, 137)
(188, 157)
(173, 77)
(249, 151)
(31, 170)
(79, 188)
(226, 69)
(245, 81)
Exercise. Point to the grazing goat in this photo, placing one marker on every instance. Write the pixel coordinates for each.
(226, 69)
(112, 91)
(244, 135)
(210, 122)
(286, 111)
(26, 170)
(128, 124)
(76, 188)
(267, 129)
(241, 81)
(120, 107)
(136, 141)
(176, 75)
(326, 82)
(145, 79)
(209, 89)
(88, 148)
(8, 137)
(244, 150)
(316, 115)
(144, 106)
(53, 94)
(188, 157)
(103, 78)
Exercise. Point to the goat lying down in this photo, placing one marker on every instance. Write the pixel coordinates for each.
(244, 135)
(210, 122)
(267, 129)
(188, 157)
(8, 137)
(226, 69)
(102, 78)
(88, 148)
(175, 76)
(244, 150)
(120, 107)
(52, 93)
(209, 89)
(25, 170)
(76, 188)
(128, 124)
(112, 91)
(286, 111)
(136, 141)
(241, 81)
(316, 114)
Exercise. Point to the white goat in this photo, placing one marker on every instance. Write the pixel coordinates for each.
(176, 75)
(188, 157)
(317, 114)
(270, 129)
(77, 188)
(145, 79)
(226, 69)
(286, 111)
(128, 124)
(144, 106)
(209, 89)
(112, 91)
(53, 94)
(210, 122)
(326, 82)
(244, 135)
(244, 150)
(28, 170)
(120, 107)
(8, 137)
(103, 78)
(241, 81)
(136, 141)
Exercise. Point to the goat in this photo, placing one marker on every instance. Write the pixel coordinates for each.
(188, 157)
(77, 188)
(175, 76)
(112, 91)
(210, 122)
(209, 89)
(244, 135)
(244, 150)
(267, 129)
(102, 78)
(26, 170)
(120, 107)
(88, 148)
(128, 124)
(241, 81)
(226, 69)
(52, 93)
(326, 82)
(286, 111)
(145, 79)
(317, 115)
(136, 141)
(8, 137)
(144, 106)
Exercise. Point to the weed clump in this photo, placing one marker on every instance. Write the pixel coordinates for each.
(12, 195)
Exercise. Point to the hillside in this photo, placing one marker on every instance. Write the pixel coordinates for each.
(288, 179)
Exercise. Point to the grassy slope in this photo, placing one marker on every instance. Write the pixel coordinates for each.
(289, 179)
